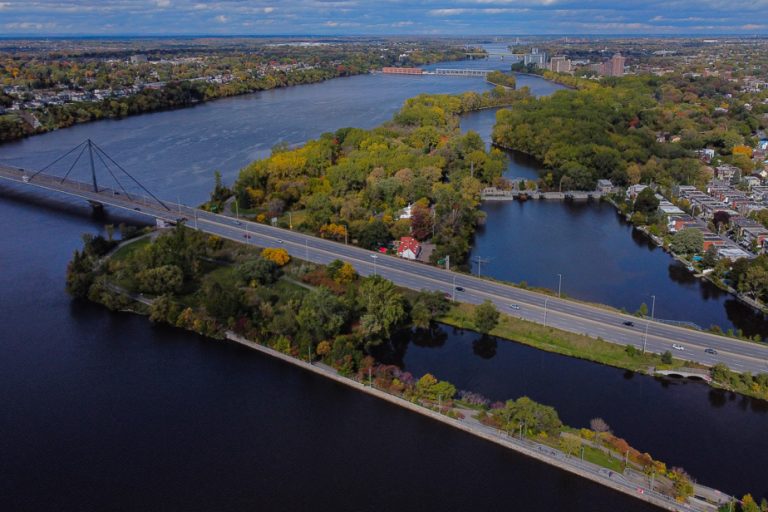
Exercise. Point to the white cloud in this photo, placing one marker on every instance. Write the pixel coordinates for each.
(163, 3)
(221, 18)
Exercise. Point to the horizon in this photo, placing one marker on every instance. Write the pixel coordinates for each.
(345, 18)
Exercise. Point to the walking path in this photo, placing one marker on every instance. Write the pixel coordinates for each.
(628, 484)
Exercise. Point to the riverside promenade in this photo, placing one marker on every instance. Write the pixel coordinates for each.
(626, 484)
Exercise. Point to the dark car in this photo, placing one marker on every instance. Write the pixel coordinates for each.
(246, 235)
(710, 351)
(629, 323)
(459, 289)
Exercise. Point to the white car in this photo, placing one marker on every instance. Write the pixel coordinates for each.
(677, 347)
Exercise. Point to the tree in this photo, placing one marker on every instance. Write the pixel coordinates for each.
(710, 257)
(430, 388)
(486, 317)
(321, 315)
(383, 308)
(421, 316)
(666, 357)
(599, 425)
(646, 202)
(569, 444)
(220, 302)
(79, 275)
(258, 271)
(373, 235)
(720, 219)
(278, 256)
(161, 280)
(346, 274)
(687, 241)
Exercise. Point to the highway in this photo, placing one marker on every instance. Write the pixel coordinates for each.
(564, 314)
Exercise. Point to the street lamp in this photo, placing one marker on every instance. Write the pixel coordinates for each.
(546, 299)
(375, 257)
(453, 292)
(653, 309)
(559, 284)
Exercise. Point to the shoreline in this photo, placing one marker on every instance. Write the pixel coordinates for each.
(527, 448)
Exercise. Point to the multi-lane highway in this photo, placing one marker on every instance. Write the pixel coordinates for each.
(564, 314)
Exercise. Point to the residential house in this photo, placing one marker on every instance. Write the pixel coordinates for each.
(604, 186)
(408, 248)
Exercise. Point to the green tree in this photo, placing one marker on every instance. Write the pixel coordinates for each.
(161, 280)
(321, 315)
(687, 241)
(486, 317)
(258, 270)
(382, 307)
(646, 202)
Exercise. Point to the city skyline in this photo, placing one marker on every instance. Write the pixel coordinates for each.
(386, 17)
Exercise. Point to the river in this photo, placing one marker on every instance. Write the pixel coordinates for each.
(104, 410)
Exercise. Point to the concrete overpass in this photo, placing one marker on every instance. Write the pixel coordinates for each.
(565, 314)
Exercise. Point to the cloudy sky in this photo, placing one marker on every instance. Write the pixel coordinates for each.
(352, 17)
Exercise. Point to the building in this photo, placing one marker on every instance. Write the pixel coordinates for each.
(536, 57)
(727, 172)
(634, 190)
(612, 67)
(138, 59)
(407, 212)
(560, 64)
(604, 186)
(408, 248)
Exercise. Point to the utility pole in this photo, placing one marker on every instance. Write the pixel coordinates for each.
(290, 221)
(453, 298)
(480, 262)
(559, 284)
(448, 262)
(546, 299)
(653, 309)
(306, 249)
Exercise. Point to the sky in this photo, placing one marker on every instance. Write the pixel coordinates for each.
(382, 17)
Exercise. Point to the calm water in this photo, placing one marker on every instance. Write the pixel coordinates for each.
(103, 411)
(719, 437)
(601, 257)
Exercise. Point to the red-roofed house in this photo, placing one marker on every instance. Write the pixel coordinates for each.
(408, 248)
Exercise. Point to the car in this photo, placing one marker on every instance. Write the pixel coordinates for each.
(629, 323)
(246, 235)
(710, 351)
(677, 346)
(279, 241)
(238, 223)
(514, 306)
(137, 208)
(459, 289)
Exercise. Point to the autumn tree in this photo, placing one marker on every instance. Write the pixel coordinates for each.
(277, 255)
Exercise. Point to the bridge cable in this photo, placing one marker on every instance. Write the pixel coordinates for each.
(114, 177)
(98, 149)
(73, 164)
(62, 156)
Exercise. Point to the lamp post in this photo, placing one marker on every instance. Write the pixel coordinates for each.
(375, 257)
(453, 291)
(653, 310)
(546, 300)
(306, 250)
(559, 284)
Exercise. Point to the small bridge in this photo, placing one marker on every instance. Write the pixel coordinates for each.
(462, 72)
(685, 373)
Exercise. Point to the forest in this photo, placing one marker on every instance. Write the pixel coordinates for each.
(353, 185)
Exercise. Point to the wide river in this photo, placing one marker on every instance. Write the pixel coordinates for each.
(105, 411)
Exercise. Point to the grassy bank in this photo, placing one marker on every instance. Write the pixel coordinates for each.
(563, 342)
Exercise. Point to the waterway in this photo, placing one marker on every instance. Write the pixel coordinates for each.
(600, 257)
(104, 411)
